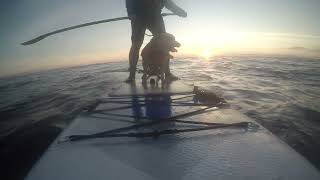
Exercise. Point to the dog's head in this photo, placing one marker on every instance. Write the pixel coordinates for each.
(165, 42)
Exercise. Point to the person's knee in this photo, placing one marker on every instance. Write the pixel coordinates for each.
(136, 45)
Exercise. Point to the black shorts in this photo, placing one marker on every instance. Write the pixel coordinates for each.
(140, 24)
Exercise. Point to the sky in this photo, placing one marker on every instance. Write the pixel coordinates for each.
(213, 27)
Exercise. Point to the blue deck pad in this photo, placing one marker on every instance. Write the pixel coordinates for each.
(153, 107)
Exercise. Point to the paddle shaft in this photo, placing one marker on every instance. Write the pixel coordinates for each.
(39, 38)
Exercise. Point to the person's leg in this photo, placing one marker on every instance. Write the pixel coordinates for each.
(133, 58)
(156, 25)
(138, 29)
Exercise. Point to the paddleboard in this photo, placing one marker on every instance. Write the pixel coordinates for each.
(140, 132)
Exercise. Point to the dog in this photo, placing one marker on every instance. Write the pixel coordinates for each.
(156, 56)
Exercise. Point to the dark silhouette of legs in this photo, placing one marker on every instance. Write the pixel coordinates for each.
(138, 27)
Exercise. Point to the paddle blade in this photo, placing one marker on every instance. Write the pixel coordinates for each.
(32, 41)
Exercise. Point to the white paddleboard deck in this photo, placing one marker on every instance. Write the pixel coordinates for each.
(233, 154)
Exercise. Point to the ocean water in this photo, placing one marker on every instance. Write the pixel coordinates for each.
(281, 93)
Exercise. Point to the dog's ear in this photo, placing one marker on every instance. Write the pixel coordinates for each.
(154, 39)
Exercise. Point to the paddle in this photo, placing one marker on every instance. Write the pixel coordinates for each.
(39, 38)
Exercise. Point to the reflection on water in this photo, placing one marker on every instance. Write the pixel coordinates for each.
(153, 106)
(280, 93)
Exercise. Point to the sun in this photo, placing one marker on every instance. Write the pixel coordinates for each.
(207, 54)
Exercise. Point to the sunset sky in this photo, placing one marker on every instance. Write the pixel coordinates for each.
(213, 27)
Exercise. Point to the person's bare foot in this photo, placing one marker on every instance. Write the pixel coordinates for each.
(130, 79)
(172, 77)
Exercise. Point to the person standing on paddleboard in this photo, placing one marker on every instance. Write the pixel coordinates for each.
(146, 14)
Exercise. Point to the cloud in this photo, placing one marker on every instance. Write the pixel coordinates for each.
(303, 51)
(298, 48)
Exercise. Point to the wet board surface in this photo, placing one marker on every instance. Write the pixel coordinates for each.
(138, 89)
(226, 153)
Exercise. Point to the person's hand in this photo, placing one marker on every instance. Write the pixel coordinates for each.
(182, 13)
